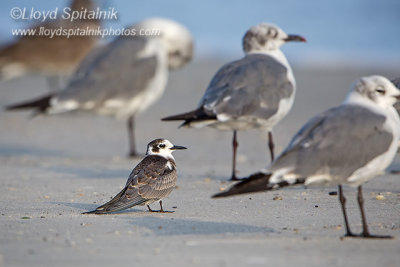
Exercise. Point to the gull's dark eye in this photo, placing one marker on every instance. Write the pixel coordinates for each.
(272, 32)
(175, 53)
(380, 90)
(161, 145)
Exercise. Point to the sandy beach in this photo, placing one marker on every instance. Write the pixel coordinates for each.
(54, 168)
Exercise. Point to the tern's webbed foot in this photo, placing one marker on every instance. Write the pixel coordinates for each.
(162, 211)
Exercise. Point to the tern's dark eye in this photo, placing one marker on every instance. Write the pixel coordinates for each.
(161, 145)
(380, 90)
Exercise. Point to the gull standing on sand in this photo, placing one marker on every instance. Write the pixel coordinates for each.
(256, 91)
(125, 77)
(349, 144)
(151, 180)
(54, 57)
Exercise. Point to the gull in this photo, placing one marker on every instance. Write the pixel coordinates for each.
(125, 77)
(151, 180)
(256, 91)
(53, 57)
(345, 145)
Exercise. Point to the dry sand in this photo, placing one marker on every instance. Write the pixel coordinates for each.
(54, 168)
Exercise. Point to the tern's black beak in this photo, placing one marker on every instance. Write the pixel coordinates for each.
(177, 147)
(397, 97)
(295, 38)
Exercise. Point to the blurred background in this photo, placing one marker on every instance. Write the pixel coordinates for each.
(356, 32)
(346, 40)
(54, 167)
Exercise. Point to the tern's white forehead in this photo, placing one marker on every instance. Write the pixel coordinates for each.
(161, 147)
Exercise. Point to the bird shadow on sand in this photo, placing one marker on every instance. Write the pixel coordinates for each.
(176, 226)
(84, 207)
(80, 207)
(168, 224)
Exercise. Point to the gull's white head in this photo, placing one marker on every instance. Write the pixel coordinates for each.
(377, 89)
(267, 37)
(162, 147)
(175, 37)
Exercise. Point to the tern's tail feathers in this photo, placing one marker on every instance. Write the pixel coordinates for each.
(256, 182)
(118, 203)
(192, 116)
(40, 105)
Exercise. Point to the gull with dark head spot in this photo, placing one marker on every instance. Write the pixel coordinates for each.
(151, 180)
(256, 91)
(125, 77)
(345, 145)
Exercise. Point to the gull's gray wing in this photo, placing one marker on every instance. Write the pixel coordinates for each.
(117, 71)
(152, 179)
(337, 142)
(251, 86)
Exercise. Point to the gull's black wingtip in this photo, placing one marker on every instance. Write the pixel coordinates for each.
(222, 194)
(199, 114)
(179, 117)
(254, 183)
(237, 189)
(40, 104)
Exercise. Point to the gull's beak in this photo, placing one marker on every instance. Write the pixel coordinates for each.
(295, 38)
(177, 147)
(397, 97)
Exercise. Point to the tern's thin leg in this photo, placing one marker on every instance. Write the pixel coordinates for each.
(271, 145)
(131, 135)
(161, 209)
(235, 144)
(342, 200)
(365, 232)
